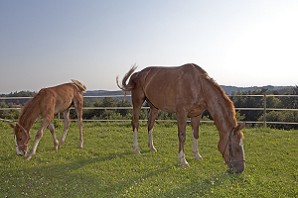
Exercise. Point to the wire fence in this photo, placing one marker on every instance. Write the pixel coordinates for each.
(264, 109)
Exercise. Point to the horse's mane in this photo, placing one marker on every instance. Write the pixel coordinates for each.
(223, 93)
(226, 100)
(218, 88)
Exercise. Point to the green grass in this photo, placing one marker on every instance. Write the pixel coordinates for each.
(106, 167)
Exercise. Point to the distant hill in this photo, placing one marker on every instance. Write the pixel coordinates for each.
(229, 90)
(103, 93)
(233, 89)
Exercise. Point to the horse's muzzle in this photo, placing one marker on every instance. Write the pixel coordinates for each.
(236, 167)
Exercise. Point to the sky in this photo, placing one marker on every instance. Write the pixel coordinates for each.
(238, 42)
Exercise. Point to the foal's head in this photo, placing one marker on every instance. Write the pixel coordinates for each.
(22, 138)
(233, 151)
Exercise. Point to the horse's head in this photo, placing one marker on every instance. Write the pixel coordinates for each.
(233, 151)
(22, 138)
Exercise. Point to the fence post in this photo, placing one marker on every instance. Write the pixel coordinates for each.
(265, 110)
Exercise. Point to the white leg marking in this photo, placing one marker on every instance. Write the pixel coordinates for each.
(181, 157)
(195, 148)
(135, 141)
(34, 148)
(19, 152)
(150, 141)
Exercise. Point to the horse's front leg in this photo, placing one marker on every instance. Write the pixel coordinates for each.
(38, 137)
(195, 122)
(181, 118)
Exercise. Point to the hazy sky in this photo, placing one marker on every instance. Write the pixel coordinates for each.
(238, 42)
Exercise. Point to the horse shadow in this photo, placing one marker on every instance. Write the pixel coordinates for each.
(204, 187)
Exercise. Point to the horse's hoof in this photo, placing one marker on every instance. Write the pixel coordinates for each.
(137, 151)
(185, 164)
(153, 149)
(198, 157)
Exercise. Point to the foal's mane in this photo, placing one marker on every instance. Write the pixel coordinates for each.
(30, 111)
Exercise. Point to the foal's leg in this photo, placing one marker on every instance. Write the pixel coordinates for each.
(52, 129)
(181, 118)
(78, 103)
(195, 122)
(66, 127)
(38, 137)
(152, 117)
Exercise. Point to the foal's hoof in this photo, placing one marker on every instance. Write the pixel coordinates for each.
(60, 144)
(81, 144)
(56, 147)
(28, 157)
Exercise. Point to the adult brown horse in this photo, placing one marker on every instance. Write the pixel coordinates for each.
(46, 104)
(188, 91)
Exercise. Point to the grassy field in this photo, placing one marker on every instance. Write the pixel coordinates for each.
(106, 167)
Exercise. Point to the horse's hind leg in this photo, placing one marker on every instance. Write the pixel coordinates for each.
(66, 127)
(137, 103)
(152, 116)
(195, 122)
(52, 129)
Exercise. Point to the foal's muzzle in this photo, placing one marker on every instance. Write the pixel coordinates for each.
(21, 152)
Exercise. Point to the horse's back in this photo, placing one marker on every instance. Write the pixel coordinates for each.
(168, 87)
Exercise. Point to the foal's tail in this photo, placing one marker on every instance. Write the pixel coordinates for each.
(79, 85)
(129, 86)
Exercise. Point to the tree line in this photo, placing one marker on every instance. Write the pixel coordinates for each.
(240, 99)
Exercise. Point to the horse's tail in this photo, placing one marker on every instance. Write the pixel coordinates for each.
(79, 85)
(129, 86)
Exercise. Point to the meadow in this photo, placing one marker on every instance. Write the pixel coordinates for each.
(107, 167)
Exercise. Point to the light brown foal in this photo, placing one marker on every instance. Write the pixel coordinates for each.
(46, 104)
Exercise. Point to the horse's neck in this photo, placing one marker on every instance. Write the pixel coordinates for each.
(223, 118)
(27, 123)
